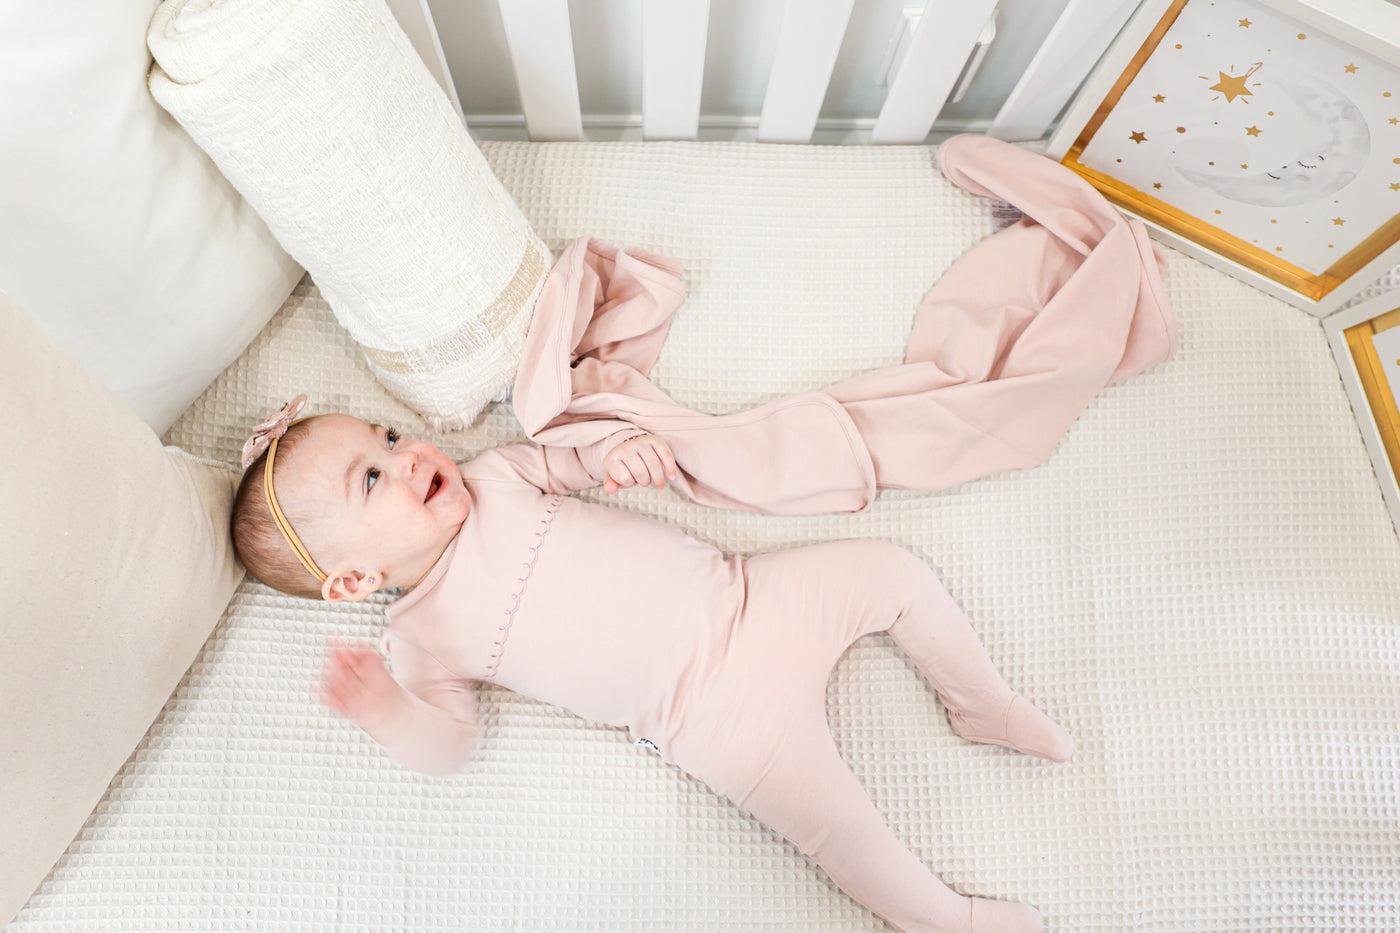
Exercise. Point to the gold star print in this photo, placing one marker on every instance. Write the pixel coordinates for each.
(1158, 184)
(1350, 69)
(1395, 186)
(1245, 23)
(1337, 221)
(1232, 86)
(1252, 131)
(1159, 99)
(1138, 137)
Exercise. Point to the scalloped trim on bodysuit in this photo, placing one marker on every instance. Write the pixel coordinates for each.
(500, 645)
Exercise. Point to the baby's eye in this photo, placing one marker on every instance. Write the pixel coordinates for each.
(371, 477)
(392, 436)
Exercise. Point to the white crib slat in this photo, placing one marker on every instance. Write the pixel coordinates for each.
(673, 66)
(808, 43)
(1075, 43)
(542, 53)
(947, 32)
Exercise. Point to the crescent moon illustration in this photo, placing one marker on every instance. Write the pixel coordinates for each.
(1330, 159)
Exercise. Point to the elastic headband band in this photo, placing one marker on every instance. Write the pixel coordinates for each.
(283, 525)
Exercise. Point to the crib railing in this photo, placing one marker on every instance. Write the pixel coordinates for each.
(672, 53)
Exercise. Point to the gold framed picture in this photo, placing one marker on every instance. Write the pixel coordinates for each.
(1262, 136)
(1365, 340)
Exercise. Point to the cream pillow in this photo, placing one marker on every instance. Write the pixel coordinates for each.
(117, 564)
(324, 117)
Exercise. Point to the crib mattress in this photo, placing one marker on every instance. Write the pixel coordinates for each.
(1202, 583)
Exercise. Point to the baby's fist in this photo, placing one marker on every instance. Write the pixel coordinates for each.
(644, 460)
(358, 685)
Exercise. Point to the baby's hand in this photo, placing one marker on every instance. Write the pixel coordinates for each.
(358, 685)
(639, 461)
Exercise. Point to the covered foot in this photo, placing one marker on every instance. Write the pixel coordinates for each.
(1020, 726)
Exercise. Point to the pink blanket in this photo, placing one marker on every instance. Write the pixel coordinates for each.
(1007, 349)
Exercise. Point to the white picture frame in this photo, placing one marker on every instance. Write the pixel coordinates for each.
(1365, 340)
(1228, 93)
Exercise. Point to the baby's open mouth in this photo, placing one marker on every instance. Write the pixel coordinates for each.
(433, 487)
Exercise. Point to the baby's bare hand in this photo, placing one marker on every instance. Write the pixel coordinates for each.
(645, 460)
(359, 686)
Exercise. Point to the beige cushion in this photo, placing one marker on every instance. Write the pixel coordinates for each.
(117, 565)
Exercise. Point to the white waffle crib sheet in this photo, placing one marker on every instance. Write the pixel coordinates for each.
(1202, 583)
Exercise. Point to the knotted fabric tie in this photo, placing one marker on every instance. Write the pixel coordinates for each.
(270, 430)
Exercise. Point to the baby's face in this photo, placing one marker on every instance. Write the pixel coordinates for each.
(387, 507)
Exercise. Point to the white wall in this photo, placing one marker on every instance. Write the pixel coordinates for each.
(742, 40)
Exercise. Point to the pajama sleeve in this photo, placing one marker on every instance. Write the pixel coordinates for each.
(438, 734)
(558, 470)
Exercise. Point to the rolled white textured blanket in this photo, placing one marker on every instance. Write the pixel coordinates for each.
(323, 116)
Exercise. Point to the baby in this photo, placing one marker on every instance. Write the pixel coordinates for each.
(718, 663)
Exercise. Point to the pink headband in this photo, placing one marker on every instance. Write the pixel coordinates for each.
(265, 438)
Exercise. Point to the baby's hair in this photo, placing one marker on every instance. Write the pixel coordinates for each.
(258, 543)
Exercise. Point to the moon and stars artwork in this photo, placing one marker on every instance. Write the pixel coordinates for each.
(1275, 133)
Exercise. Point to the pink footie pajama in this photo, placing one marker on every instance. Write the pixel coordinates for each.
(722, 663)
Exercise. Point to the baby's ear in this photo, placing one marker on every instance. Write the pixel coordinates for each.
(350, 586)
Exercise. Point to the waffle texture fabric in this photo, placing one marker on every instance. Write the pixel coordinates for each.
(328, 123)
(1201, 583)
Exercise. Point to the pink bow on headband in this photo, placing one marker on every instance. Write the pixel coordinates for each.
(273, 428)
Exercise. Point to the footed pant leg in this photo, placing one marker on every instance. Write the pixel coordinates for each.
(763, 739)
(935, 633)
(811, 797)
(854, 588)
